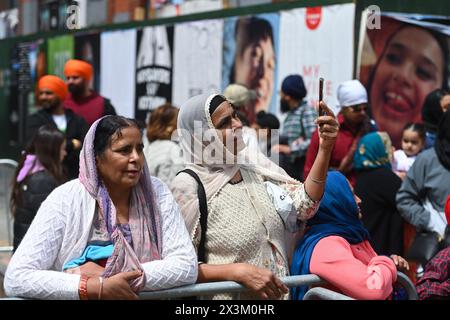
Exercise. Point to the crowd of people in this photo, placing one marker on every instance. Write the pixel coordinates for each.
(212, 191)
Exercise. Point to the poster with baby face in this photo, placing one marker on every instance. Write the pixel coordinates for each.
(401, 62)
(250, 49)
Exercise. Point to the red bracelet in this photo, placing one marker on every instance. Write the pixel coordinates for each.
(82, 290)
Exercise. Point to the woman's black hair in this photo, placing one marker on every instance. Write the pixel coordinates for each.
(432, 111)
(443, 44)
(267, 120)
(416, 127)
(243, 118)
(108, 127)
(249, 30)
(46, 146)
(215, 103)
(442, 143)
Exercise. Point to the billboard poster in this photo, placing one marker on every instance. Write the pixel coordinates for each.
(401, 62)
(250, 55)
(317, 42)
(197, 61)
(22, 83)
(60, 49)
(87, 48)
(153, 69)
(117, 70)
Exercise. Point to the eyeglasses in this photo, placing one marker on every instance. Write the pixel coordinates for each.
(359, 107)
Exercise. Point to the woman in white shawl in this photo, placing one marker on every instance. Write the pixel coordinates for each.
(109, 234)
(245, 238)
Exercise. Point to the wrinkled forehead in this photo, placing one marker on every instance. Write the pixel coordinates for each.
(130, 132)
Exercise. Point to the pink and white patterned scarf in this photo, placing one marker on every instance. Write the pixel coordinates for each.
(144, 217)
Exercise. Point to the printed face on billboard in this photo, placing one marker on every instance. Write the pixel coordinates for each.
(410, 62)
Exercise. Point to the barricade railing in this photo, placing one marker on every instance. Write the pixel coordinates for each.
(7, 171)
(319, 293)
(408, 285)
(212, 288)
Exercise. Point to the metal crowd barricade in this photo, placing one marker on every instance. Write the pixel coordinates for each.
(7, 171)
(409, 286)
(319, 293)
(315, 293)
(211, 288)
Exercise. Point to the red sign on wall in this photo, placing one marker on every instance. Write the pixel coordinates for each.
(313, 17)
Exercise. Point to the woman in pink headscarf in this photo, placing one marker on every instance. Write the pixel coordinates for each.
(110, 233)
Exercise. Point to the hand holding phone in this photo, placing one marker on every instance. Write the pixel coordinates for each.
(327, 122)
(321, 111)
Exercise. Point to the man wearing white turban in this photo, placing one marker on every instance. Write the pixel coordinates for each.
(354, 123)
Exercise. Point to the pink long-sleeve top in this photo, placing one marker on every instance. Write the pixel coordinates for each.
(355, 270)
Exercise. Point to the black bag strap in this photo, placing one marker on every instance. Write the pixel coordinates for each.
(203, 205)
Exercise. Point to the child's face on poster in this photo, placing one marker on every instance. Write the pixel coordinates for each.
(255, 69)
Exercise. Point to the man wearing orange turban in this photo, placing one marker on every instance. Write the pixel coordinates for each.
(82, 100)
(54, 84)
(78, 68)
(52, 92)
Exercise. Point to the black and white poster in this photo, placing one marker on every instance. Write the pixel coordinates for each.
(153, 69)
(21, 90)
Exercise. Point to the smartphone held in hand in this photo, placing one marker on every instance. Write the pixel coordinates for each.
(321, 110)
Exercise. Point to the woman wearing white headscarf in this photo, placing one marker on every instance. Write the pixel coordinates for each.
(245, 238)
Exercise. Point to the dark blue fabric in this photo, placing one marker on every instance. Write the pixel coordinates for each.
(430, 139)
(337, 215)
(294, 86)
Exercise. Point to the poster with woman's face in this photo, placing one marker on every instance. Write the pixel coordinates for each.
(400, 64)
(250, 45)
